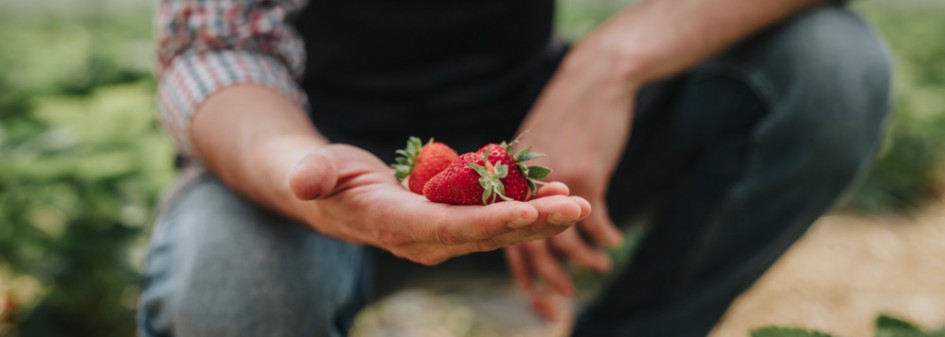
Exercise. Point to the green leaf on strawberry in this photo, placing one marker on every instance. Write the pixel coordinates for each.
(403, 165)
(419, 162)
(536, 172)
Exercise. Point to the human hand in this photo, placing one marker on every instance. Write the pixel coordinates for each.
(356, 198)
(582, 122)
(536, 260)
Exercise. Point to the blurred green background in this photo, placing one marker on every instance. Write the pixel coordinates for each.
(83, 160)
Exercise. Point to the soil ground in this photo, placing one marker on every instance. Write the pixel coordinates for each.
(845, 271)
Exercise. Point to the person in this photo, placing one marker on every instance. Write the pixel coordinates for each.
(729, 125)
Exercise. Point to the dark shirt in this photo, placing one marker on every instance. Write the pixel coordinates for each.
(384, 70)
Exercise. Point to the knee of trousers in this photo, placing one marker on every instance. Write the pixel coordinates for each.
(228, 268)
(825, 76)
(292, 301)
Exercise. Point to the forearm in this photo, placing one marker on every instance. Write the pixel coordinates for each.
(252, 138)
(659, 38)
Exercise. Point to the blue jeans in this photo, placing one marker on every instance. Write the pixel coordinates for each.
(732, 161)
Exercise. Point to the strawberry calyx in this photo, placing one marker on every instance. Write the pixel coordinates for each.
(491, 174)
(532, 173)
(490, 178)
(403, 165)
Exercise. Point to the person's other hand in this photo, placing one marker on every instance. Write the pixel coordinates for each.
(356, 198)
(582, 123)
(536, 260)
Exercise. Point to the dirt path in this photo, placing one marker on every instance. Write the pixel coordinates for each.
(845, 271)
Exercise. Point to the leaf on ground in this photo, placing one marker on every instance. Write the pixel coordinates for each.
(889, 322)
(777, 331)
(888, 326)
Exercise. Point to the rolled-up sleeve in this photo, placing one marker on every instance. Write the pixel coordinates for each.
(207, 45)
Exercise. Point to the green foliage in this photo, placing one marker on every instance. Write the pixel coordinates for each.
(577, 18)
(908, 170)
(773, 331)
(886, 326)
(82, 162)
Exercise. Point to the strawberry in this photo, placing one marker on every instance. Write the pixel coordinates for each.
(458, 184)
(515, 184)
(420, 162)
(489, 175)
(531, 174)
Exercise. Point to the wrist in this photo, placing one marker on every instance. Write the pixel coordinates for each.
(271, 165)
(613, 62)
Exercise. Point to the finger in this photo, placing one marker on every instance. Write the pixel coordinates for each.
(570, 244)
(599, 226)
(542, 228)
(549, 305)
(549, 216)
(313, 177)
(518, 266)
(549, 268)
(586, 208)
(553, 188)
(559, 210)
(457, 225)
(544, 306)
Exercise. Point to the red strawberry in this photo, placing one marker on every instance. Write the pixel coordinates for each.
(515, 184)
(458, 184)
(421, 162)
(486, 176)
(531, 174)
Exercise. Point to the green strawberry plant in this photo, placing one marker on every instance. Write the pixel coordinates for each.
(82, 161)
(886, 326)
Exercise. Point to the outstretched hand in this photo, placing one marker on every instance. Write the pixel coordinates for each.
(356, 198)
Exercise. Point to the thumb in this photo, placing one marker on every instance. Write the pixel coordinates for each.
(314, 177)
(600, 227)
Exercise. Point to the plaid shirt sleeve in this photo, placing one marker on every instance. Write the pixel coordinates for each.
(207, 45)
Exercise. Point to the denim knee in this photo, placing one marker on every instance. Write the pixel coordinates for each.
(220, 266)
(825, 77)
